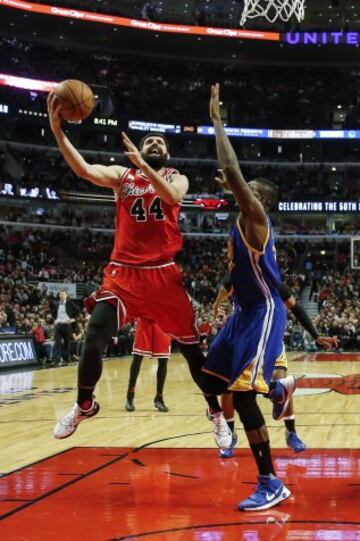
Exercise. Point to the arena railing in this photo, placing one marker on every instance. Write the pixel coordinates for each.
(200, 234)
(179, 159)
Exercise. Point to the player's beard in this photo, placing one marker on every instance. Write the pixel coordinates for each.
(156, 161)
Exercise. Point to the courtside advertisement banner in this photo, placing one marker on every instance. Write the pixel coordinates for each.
(290, 38)
(16, 351)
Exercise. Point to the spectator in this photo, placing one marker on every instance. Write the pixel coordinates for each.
(77, 340)
(42, 347)
(64, 313)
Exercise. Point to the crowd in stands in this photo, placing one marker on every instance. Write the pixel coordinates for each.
(47, 169)
(338, 297)
(31, 259)
(72, 215)
(60, 215)
(293, 99)
(44, 255)
(23, 169)
(27, 59)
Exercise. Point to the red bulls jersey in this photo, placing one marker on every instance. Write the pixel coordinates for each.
(146, 231)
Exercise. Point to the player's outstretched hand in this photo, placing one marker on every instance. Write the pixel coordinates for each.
(215, 102)
(131, 151)
(54, 112)
(327, 342)
(215, 309)
(221, 180)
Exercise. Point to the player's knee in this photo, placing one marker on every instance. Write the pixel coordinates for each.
(249, 412)
(95, 341)
(192, 354)
(212, 385)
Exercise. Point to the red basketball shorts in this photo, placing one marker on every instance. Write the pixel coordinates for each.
(150, 340)
(152, 293)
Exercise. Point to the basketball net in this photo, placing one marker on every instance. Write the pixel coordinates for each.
(273, 10)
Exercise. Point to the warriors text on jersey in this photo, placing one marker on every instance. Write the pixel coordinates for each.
(147, 231)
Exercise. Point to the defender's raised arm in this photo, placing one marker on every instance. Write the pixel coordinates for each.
(248, 203)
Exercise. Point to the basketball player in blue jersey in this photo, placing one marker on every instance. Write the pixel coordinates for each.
(326, 342)
(244, 353)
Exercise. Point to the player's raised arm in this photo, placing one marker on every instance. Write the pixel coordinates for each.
(101, 175)
(170, 192)
(248, 203)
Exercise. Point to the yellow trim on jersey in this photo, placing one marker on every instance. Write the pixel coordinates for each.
(243, 382)
(281, 361)
(246, 242)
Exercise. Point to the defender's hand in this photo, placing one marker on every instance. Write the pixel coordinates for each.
(221, 179)
(215, 103)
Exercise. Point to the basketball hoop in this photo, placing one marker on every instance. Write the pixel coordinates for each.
(273, 10)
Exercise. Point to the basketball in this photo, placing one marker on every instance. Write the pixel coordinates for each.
(76, 99)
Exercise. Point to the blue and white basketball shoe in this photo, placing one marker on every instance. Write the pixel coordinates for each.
(269, 492)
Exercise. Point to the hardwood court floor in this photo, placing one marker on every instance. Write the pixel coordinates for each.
(157, 476)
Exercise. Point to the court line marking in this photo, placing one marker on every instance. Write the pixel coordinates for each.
(138, 462)
(183, 475)
(95, 470)
(37, 462)
(217, 525)
(78, 479)
(62, 487)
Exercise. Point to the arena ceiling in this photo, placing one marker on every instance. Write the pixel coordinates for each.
(81, 34)
(320, 14)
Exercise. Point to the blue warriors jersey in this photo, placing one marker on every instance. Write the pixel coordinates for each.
(245, 351)
(255, 275)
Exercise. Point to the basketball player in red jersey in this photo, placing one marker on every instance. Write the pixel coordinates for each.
(141, 279)
(149, 341)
